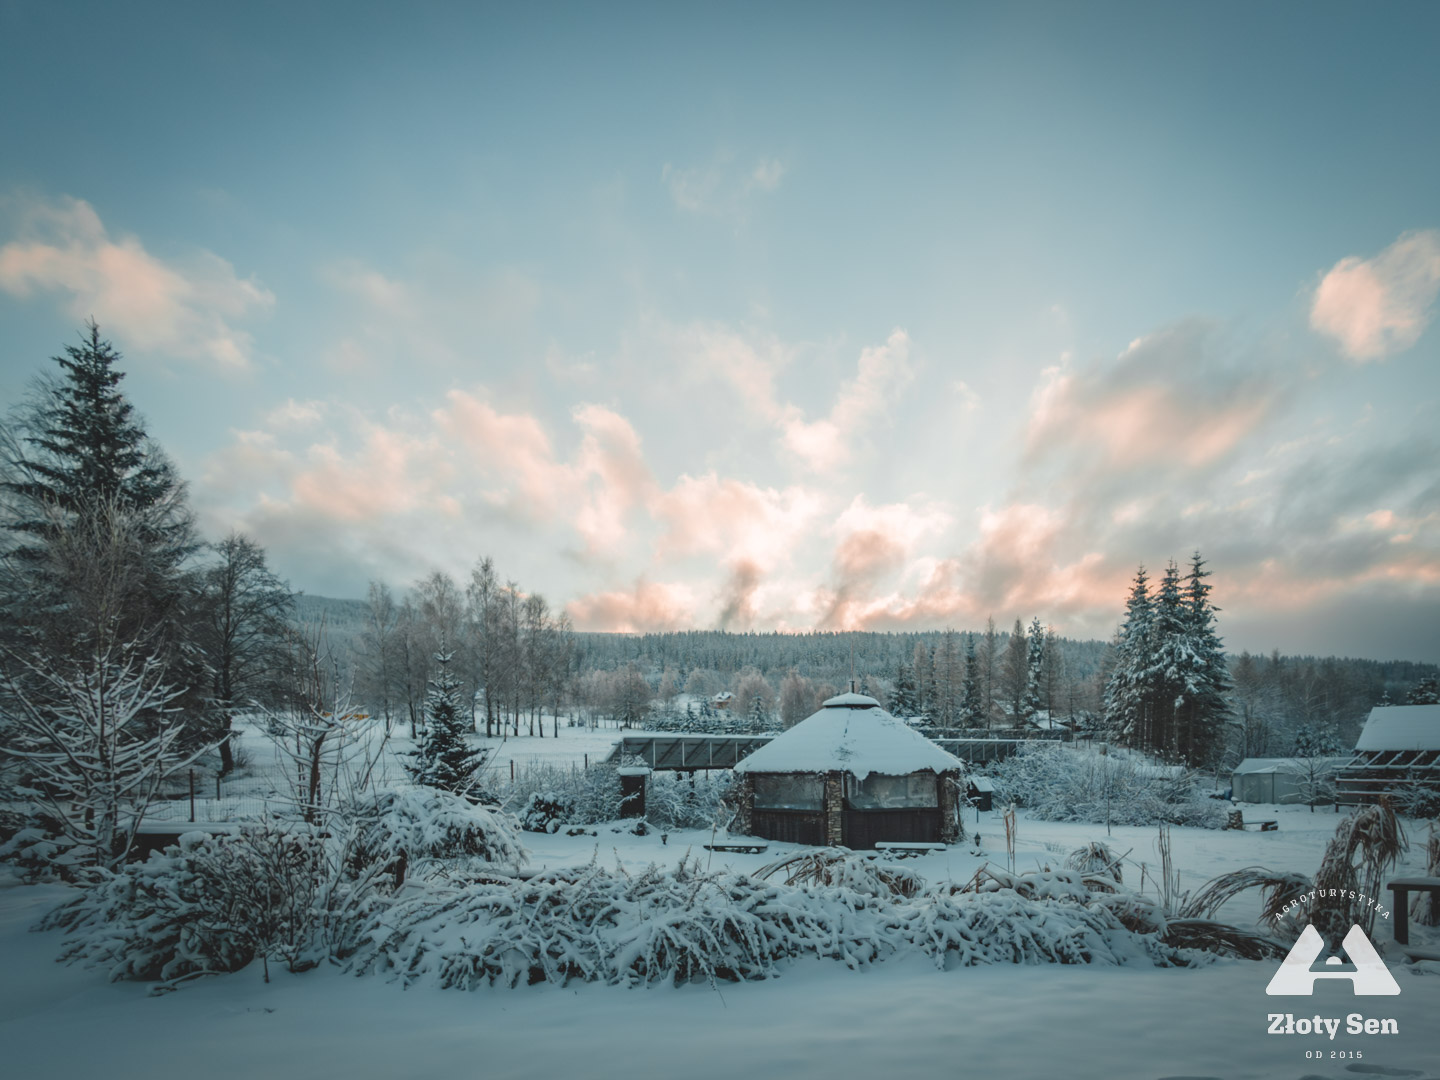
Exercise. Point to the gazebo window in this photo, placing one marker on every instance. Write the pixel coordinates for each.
(878, 792)
(789, 791)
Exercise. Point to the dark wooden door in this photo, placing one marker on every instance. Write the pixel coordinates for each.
(863, 829)
(790, 826)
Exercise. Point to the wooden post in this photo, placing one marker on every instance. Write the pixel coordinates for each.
(512, 770)
(217, 786)
(587, 761)
(192, 794)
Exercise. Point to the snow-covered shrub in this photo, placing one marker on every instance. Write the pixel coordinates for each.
(546, 812)
(210, 904)
(673, 801)
(587, 796)
(1061, 783)
(861, 872)
(595, 925)
(405, 829)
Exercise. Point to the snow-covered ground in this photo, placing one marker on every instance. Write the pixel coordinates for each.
(900, 1018)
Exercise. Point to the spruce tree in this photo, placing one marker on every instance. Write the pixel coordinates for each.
(99, 533)
(903, 703)
(86, 448)
(972, 705)
(442, 758)
(1206, 709)
(1127, 699)
(1035, 660)
(1171, 672)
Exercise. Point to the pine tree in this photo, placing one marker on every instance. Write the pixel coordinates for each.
(903, 702)
(1205, 712)
(88, 447)
(1033, 704)
(1172, 666)
(1425, 692)
(1127, 699)
(442, 758)
(972, 706)
(1014, 672)
(100, 533)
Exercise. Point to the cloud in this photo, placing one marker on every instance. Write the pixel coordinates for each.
(831, 441)
(720, 189)
(1169, 402)
(647, 607)
(440, 312)
(1377, 307)
(183, 307)
(752, 368)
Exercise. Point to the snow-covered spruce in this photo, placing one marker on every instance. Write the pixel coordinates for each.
(1061, 783)
(407, 830)
(595, 925)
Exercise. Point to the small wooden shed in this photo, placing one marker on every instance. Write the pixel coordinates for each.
(850, 775)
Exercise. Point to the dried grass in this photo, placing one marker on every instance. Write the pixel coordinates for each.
(1279, 889)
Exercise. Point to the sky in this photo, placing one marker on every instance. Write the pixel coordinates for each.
(764, 316)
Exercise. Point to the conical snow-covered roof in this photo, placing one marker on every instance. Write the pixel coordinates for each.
(850, 733)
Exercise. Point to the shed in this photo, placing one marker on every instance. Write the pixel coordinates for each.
(1282, 780)
(633, 779)
(853, 775)
(1398, 751)
(980, 792)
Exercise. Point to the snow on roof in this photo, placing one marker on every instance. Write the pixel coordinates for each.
(850, 733)
(1253, 766)
(851, 700)
(1401, 727)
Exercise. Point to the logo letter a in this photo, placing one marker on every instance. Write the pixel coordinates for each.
(1369, 977)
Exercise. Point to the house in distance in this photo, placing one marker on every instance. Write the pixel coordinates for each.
(851, 775)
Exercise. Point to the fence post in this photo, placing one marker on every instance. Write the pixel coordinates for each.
(217, 787)
(192, 794)
(512, 770)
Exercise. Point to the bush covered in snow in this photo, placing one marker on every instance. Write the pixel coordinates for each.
(545, 798)
(674, 801)
(571, 796)
(210, 904)
(405, 829)
(546, 812)
(672, 926)
(1062, 783)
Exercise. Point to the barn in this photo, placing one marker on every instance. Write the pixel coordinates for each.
(850, 775)
(1398, 751)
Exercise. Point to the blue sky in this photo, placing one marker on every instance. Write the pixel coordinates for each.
(728, 315)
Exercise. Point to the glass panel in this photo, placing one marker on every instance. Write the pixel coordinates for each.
(878, 792)
(789, 792)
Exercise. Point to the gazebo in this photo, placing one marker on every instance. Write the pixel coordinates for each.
(850, 775)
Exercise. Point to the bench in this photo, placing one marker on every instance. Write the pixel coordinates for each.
(1265, 826)
(907, 850)
(1402, 888)
(751, 847)
(1235, 819)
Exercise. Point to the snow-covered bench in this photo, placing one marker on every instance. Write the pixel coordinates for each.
(747, 847)
(907, 849)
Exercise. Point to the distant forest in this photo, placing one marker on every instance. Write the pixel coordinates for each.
(1278, 703)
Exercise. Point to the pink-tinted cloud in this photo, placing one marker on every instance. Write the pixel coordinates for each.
(735, 520)
(186, 308)
(831, 441)
(648, 606)
(1377, 307)
(1163, 404)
